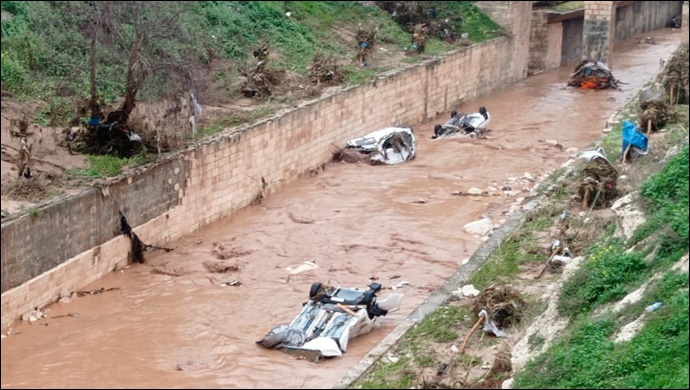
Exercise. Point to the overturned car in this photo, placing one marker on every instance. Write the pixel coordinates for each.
(327, 322)
(590, 74)
(392, 145)
(473, 125)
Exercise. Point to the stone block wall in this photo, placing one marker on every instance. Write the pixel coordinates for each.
(73, 241)
(599, 30)
(545, 42)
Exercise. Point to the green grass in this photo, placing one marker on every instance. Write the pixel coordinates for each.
(45, 55)
(437, 327)
(505, 262)
(107, 166)
(478, 25)
(667, 200)
(392, 375)
(362, 76)
(656, 357)
(603, 277)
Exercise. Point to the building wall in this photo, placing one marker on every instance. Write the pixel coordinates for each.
(545, 43)
(571, 51)
(559, 41)
(73, 241)
(644, 16)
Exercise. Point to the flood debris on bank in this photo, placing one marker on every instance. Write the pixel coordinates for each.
(674, 78)
(325, 71)
(562, 231)
(654, 111)
(596, 181)
(590, 74)
(366, 38)
(260, 80)
(497, 308)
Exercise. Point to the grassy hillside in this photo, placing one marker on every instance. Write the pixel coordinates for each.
(576, 335)
(198, 45)
(656, 357)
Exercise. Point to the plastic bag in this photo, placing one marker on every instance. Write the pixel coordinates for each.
(633, 136)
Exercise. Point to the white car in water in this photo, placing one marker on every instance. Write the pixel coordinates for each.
(329, 320)
(473, 125)
(392, 145)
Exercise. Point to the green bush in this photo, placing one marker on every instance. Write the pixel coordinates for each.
(603, 277)
(667, 204)
(13, 73)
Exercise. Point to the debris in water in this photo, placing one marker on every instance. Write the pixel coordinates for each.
(401, 284)
(306, 266)
(221, 267)
(96, 291)
(138, 247)
(590, 74)
(223, 253)
(34, 315)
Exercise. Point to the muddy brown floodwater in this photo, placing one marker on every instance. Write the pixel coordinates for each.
(353, 221)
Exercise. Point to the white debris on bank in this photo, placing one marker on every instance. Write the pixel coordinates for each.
(628, 331)
(630, 216)
(468, 291)
(480, 228)
(548, 325)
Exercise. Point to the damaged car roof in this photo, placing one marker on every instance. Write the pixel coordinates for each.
(391, 145)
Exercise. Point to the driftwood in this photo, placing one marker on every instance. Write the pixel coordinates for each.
(474, 329)
(555, 252)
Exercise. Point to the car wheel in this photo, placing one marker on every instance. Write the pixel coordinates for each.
(315, 287)
(437, 130)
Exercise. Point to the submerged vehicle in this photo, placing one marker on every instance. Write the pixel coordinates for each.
(329, 320)
(472, 125)
(391, 145)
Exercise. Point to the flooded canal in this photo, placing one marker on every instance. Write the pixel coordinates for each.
(354, 221)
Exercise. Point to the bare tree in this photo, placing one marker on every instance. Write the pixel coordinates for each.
(137, 26)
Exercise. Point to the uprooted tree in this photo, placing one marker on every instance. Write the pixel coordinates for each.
(141, 30)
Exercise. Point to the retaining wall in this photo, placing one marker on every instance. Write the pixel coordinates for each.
(70, 242)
